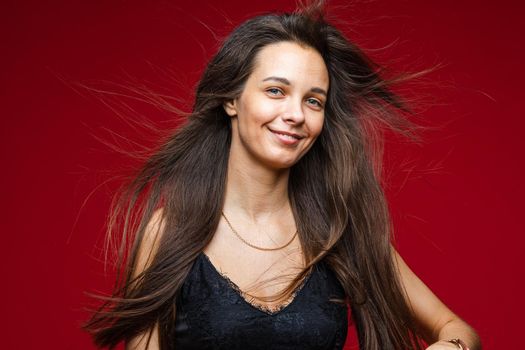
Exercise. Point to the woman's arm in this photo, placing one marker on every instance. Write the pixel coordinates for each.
(140, 342)
(147, 249)
(438, 323)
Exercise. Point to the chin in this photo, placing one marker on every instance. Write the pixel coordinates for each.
(282, 163)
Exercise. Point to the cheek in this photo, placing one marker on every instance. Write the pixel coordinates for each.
(317, 126)
(258, 113)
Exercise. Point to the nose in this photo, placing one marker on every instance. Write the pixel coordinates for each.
(294, 112)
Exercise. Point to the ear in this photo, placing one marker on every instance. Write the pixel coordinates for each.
(230, 108)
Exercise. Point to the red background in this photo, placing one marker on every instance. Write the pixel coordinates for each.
(456, 198)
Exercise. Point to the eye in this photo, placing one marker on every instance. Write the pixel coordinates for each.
(274, 91)
(314, 102)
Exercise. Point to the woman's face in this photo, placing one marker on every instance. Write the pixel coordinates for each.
(280, 112)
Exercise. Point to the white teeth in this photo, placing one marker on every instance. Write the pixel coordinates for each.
(288, 136)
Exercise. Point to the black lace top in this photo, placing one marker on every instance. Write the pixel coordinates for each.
(212, 313)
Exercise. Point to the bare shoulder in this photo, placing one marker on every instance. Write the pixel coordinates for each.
(154, 228)
(145, 341)
(149, 242)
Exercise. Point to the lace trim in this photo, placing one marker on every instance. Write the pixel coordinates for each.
(262, 307)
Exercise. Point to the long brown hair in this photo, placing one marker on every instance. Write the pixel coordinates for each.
(335, 192)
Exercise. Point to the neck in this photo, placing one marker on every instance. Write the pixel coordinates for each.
(255, 192)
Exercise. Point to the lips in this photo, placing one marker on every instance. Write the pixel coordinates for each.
(287, 134)
(286, 138)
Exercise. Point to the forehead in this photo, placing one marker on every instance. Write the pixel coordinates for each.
(298, 63)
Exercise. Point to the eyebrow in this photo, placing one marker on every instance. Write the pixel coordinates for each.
(287, 82)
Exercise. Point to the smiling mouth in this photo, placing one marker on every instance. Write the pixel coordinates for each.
(286, 135)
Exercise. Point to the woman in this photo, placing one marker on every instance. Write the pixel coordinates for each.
(261, 221)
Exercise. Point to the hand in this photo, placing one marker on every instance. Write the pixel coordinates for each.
(442, 345)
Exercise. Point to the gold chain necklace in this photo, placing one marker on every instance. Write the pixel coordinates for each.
(252, 245)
